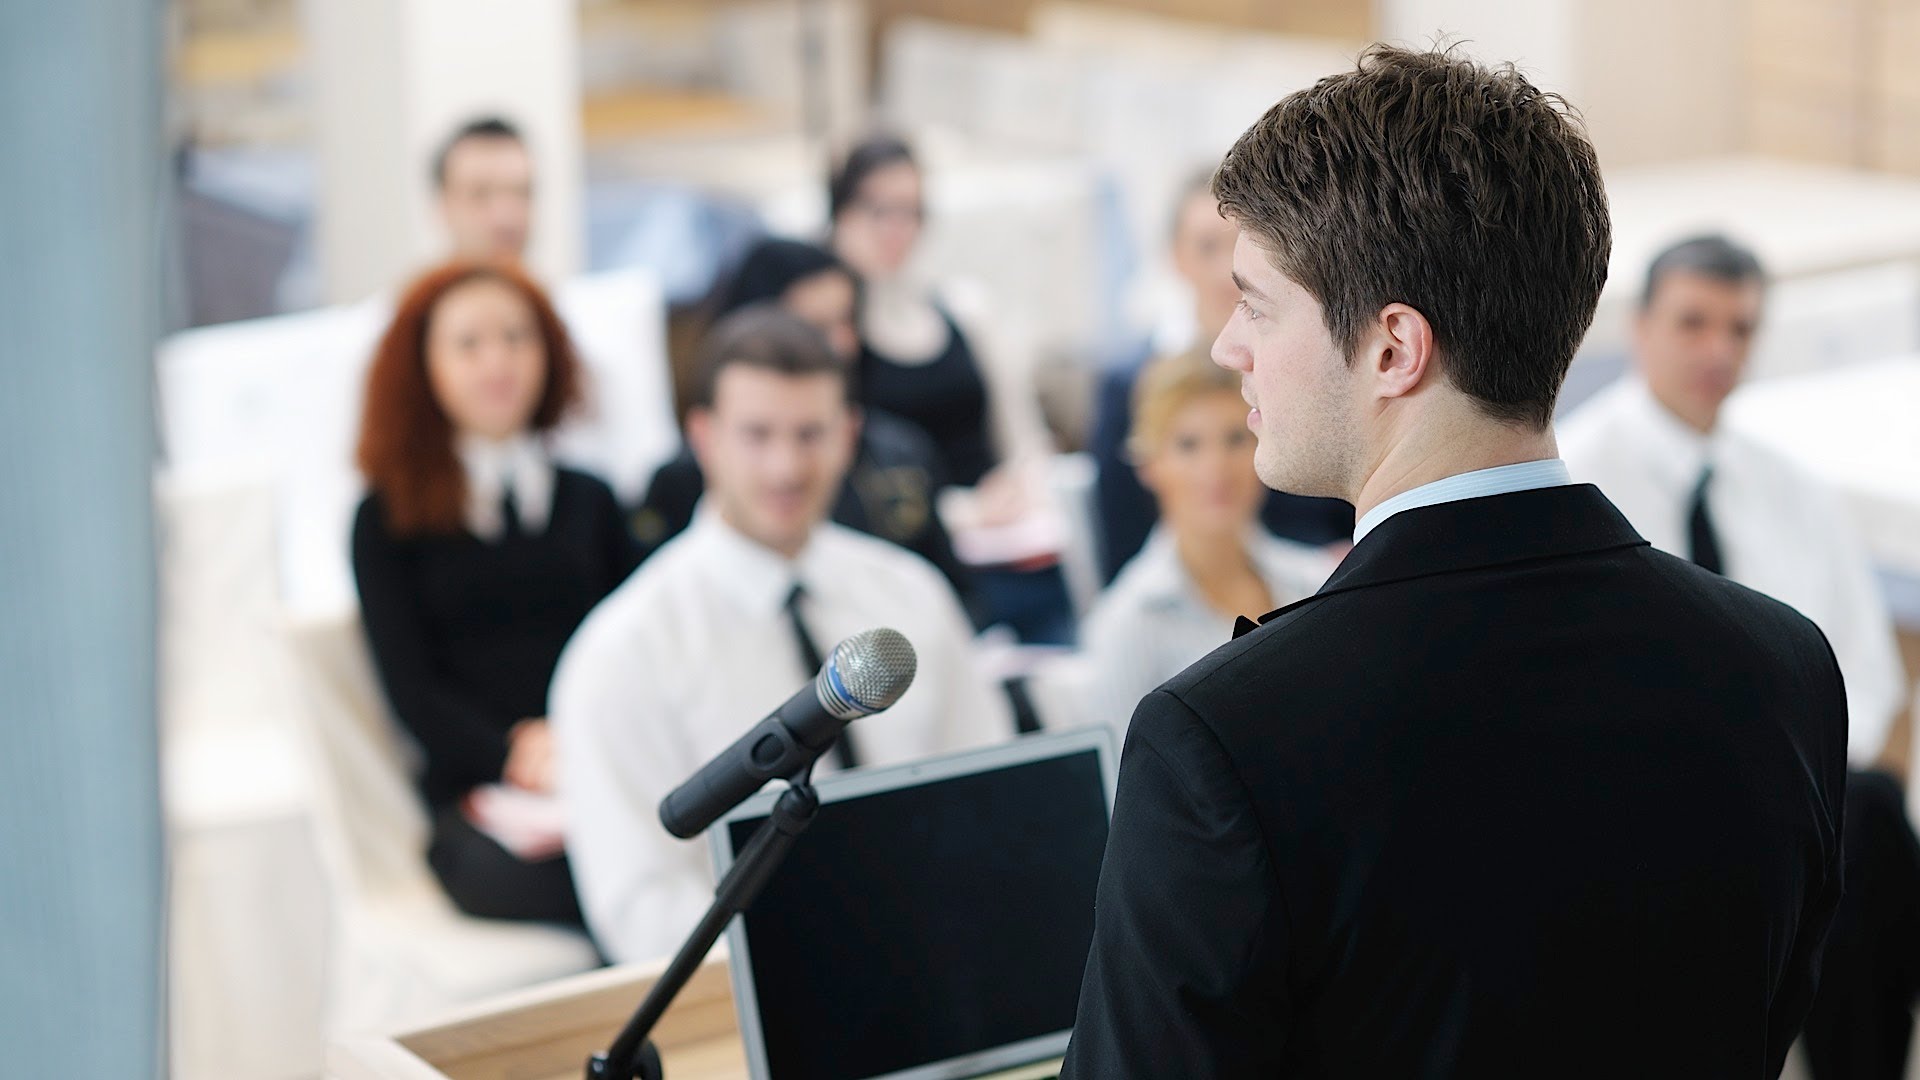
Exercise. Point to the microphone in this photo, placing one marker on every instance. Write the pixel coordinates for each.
(865, 674)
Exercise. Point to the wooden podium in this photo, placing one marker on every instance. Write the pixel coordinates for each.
(548, 1031)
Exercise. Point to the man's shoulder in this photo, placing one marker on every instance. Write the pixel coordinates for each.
(872, 557)
(1310, 650)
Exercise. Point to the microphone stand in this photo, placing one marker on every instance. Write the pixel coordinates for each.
(632, 1055)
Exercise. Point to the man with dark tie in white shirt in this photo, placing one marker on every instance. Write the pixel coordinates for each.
(1654, 445)
(729, 618)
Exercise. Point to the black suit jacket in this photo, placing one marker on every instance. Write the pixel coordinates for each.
(1513, 795)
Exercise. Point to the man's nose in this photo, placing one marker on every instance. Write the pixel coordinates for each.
(1230, 354)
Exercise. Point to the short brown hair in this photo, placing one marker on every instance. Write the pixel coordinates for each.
(768, 337)
(406, 440)
(1460, 190)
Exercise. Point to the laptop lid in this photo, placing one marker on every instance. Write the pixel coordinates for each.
(934, 920)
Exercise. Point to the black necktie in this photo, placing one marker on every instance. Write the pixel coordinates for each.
(843, 754)
(1703, 545)
(509, 515)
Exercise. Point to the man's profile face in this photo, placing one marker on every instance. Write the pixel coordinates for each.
(774, 448)
(1295, 378)
(486, 197)
(1692, 341)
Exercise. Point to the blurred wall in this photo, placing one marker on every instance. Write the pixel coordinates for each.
(392, 78)
(1655, 80)
(1349, 19)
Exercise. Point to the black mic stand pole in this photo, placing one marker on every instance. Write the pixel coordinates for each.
(632, 1055)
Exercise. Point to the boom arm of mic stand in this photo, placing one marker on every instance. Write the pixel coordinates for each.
(632, 1055)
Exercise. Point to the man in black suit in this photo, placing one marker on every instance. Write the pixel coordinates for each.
(1513, 794)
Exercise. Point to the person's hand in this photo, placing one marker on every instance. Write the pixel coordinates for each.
(529, 756)
(1003, 495)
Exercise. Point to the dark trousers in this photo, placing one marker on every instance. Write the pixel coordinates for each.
(1862, 1017)
(488, 881)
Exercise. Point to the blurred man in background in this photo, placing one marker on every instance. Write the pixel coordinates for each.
(1654, 444)
(483, 185)
(731, 617)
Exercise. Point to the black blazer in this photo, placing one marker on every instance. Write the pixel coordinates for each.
(1513, 795)
(465, 632)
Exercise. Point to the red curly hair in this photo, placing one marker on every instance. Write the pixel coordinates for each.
(406, 440)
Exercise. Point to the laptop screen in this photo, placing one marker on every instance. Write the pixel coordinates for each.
(927, 922)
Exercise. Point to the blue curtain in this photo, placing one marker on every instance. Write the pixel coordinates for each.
(82, 189)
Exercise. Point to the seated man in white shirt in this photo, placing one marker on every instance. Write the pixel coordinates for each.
(732, 616)
(1653, 444)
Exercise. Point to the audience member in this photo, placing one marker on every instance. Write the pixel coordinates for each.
(730, 618)
(896, 469)
(1208, 560)
(915, 361)
(918, 363)
(476, 558)
(1202, 251)
(483, 185)
(1654, 444)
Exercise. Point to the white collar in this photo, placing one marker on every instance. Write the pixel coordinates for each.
(1671, 447)
(755, 576)
(1164, 580)
(1499, 480)
(494, 467)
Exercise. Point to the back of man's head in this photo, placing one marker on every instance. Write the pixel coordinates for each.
(1460, 190)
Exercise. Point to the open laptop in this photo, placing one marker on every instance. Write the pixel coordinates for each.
(933, 922)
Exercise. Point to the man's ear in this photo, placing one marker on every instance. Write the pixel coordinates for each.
(1401, 352)
(700, 433)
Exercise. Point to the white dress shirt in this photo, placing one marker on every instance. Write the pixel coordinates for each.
(1780, 532)
(695, 648)
(1152, 622)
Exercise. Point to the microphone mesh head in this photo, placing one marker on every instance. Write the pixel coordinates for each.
(868, 672)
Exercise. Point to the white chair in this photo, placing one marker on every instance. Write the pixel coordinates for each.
(401, 950)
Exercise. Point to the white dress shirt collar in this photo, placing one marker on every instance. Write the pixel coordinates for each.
(494, 467)
(1500, 480)
(1676, 452)
(758, 578)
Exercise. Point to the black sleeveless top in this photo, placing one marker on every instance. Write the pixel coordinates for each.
(946, 397)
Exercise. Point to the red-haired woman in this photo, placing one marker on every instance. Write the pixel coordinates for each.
(476, 558)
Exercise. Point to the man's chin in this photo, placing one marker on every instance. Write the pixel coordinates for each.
(1290, 478)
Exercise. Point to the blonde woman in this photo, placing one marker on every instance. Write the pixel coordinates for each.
(1209, 559)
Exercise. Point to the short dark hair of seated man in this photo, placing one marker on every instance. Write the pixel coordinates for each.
(483, 180)
(476, 558)
(889, 491)
(1202, 254)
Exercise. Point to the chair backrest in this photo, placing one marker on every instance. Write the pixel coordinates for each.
(374, 822)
